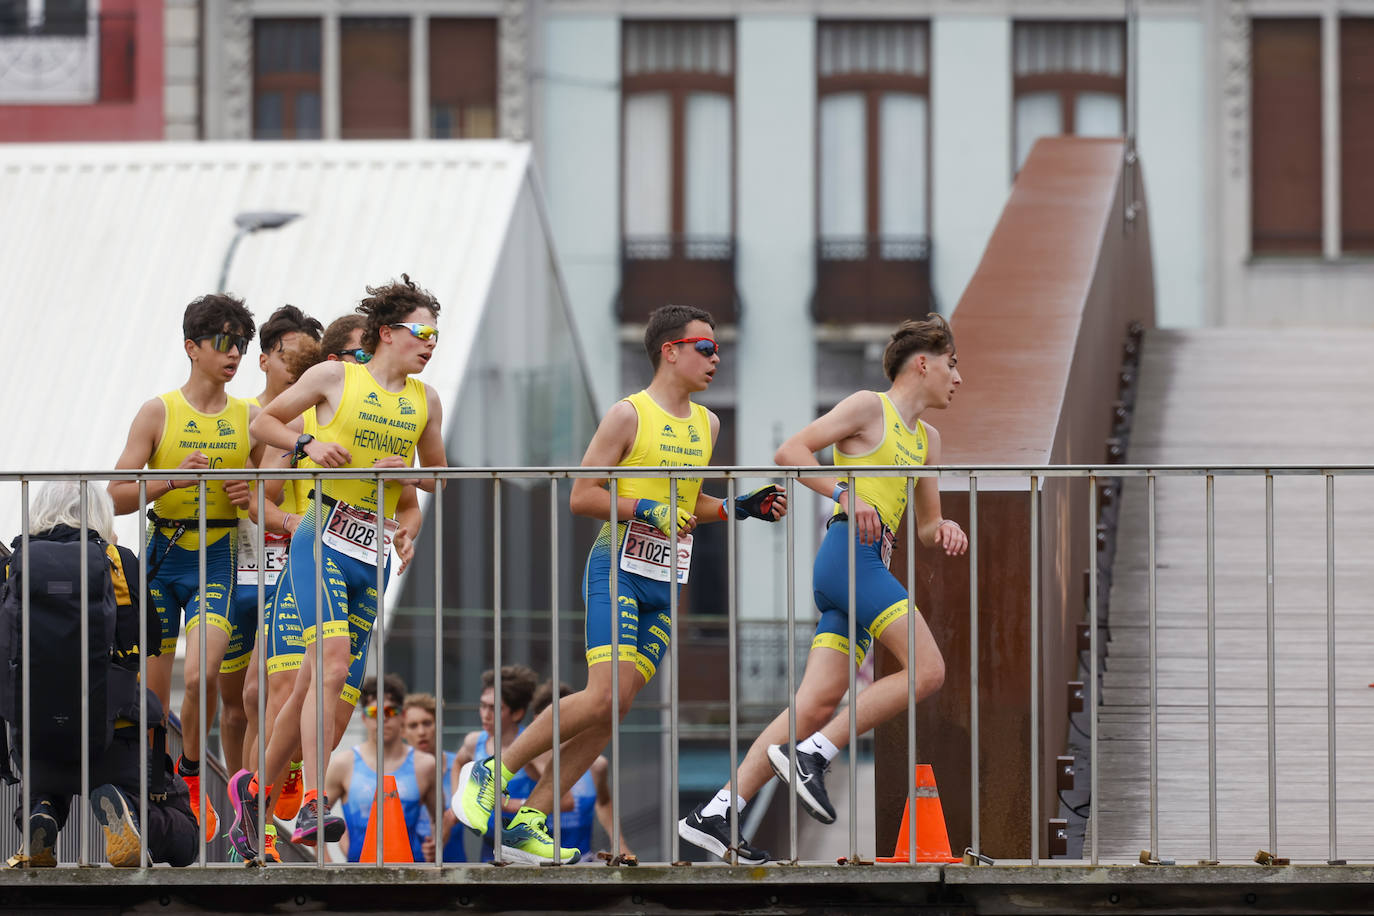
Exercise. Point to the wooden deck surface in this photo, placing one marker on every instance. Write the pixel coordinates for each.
(1278, 396)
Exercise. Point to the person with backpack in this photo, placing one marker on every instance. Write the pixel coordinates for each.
(54, 710)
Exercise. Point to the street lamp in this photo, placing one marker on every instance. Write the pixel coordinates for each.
(249, 223)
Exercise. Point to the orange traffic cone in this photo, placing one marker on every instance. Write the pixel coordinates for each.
(932, 839)
(395, 840)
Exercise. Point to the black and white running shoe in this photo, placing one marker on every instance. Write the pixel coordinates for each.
(713, 835)
(810, 787)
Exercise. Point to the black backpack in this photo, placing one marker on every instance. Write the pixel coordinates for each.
(55, 661)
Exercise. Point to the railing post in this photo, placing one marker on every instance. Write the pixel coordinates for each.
(1211, 670)
(1332, 858)
(911, 668)
(84, 836)
(1096, 808)
(732, 632)
(791, 669)
(1035, 668)
(383, 556)
(673, 683)
(440, 764)
(1270, 652)
(557, 698)
(1154, 673)
(975, 837)
(852, 526)
(203, 624)
(496, 695)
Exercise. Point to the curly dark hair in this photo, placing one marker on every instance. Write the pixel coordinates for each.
(286, 320)
(217, 313)
(929, 335)
(390, 304)
(392, 684)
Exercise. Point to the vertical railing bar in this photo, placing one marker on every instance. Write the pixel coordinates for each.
(1332, 857)
(203, 624)
(1270, 652)
(555, 671)
(497, 697)
(615, 657)
(975, 834)
(142, 680)
(1211, 669)
(84, 835)
(440, 765)
(25, 788)
(732, 633)
(1154, 669)
(791, 671)
(320, 752)
(1093, 759)
(379, 634)
(260, 640)
(1035, 669)
(673, 692)
(911, 668)
(853, 531)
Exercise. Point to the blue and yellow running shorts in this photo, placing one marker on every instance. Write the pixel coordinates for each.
(645, 627)
(350, 603)
(879, 599)
(176, 587)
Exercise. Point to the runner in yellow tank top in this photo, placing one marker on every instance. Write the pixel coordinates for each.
(370, 416)
(286, 504)
(659, 426)
(877, 428)
(285, 333)
(196, 427)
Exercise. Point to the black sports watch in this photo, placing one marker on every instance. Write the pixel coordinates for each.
(299, 452)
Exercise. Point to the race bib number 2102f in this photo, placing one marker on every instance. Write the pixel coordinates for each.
(645, 552)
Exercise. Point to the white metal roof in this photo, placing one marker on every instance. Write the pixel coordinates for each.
(102, 247)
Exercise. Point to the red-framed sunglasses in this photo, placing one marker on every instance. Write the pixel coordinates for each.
(703, 345)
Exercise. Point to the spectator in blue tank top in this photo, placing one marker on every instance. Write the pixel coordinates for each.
(518, 683)
(417, 717)
(588, 802)
(352, 777)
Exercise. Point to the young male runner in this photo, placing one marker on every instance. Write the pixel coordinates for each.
(868, 427)
(194, 427)
(373, 415)
(418, 720)
(659, 426)
(352, 781)
(282, 337)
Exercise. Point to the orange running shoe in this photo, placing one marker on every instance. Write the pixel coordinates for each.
(269, 852)
(211, 820)
(289, 802)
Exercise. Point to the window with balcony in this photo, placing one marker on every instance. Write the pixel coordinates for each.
(462, 78)
(873, 244)
(1286, 136)
(1068, 78)
(63, 52)
(286, 79)
(678, 84)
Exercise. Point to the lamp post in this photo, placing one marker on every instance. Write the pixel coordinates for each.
(248, 223)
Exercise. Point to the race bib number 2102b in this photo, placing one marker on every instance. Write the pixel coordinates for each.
(353, 532)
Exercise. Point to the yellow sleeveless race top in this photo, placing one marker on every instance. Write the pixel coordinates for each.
(243, 510)
(900, 445)
(372, 423)
(223, 437)
(664, 440)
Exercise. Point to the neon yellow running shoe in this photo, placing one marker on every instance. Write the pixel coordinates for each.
(526, 839)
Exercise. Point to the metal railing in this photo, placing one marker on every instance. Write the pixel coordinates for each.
(1003, 478)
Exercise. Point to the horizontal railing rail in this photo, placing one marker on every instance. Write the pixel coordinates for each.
(1026, 479)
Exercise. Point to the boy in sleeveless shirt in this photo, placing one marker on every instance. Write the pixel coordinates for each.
(195, 427)
(367, 416)
(659, 426)
(868, 427)
(352, 778)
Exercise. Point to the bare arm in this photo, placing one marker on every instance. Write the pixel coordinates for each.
(144, 434)
(312, 390)
(848, 422)
(611, 442)
(932, 528)
(430, 446)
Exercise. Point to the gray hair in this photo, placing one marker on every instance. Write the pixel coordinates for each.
(59, 503)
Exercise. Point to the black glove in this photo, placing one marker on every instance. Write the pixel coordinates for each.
(759, 504)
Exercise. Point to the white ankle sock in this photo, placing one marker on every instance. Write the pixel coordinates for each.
(720, 805)
(819, 744)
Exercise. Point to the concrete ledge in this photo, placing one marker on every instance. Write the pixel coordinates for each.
(1003, 888)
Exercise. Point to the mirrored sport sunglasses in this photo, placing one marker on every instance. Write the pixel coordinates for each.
(359, 354)
(422, 331)
(223, 343)
(389, 712)
(703, 345)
